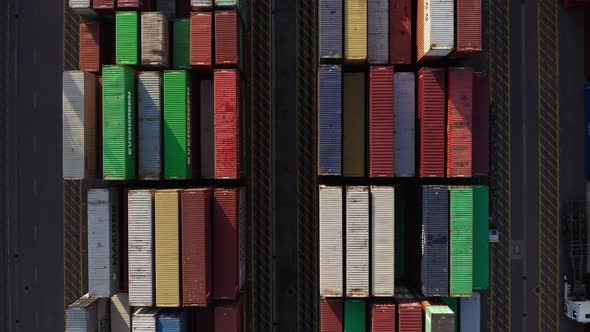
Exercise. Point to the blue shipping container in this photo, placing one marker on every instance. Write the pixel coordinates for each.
(171, 320)
(470, 313)
(330, 29)
(587, 128)
(330, 121)
(149, 95)
(435, 241)
(378, 32)
(404, 123)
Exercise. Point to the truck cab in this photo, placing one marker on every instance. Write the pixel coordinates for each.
(577, 310)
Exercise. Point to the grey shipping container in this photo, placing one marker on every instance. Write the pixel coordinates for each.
(140, 216)
(330, 24)
(82, 7)
(378, 32)
(469, 317)
(383, 241)
(404, 124)
(331, 268)
(79, 125)
(120, 313)
(103, 242)
(330, 121)
(149, 95)
(154, 40)
(87, 315)
(357, 241)
(144, 319)
(435, 241)
(197, 5)
(167, 7)
(207, 129)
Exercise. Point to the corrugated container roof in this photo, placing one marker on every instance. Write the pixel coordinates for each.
(470, 313)
(355, 315)
(353, 139)
(378, 32)
(409, 311)
(140, 216)
(481, 245)
(439, 318)
(172, 320)
(331, 267)
(461, 241)
(330, 120)
(383, 318)
(108, 5)
(357, 241)
(459, 121)
(149, 95)
(435, 29)
(81, 316)
(468, 32)
(207, 114)
(381, 122)
(177, 125)
(120, 313)
(435, 241)
(90, 50)
(355, 31)
(431, 121)
(167, 248)
(404, 124)
(481, 124)
(383, 240)
(227, 124)
(82, 7)
(127, 38)
(144, 319)
(331, 315)
(201, 40)
(226, 39)
(197, 5)
(400, 33)
(141, 5)
(330, 29)
(181, 44)
(226, 3)
(154, 40)
(229, 317)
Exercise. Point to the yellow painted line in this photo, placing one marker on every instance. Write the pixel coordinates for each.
(7, 178)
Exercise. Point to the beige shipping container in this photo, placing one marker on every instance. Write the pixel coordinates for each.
(353, 144)
(355, 31)
(435, 29)
(154, 40)
(167, 248)
(331, 279)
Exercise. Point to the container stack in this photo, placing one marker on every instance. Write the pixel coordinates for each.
(156, 100)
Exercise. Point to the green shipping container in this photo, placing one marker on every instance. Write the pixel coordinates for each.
(227, 3)
(353, 144)
(439, 318)
(481, 245)
(354, 316)
(461, 237)
(181, 57)
(127, 38)
(118, 123)
(453, 304)
(177, 125)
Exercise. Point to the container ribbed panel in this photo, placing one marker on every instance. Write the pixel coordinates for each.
(167, 249)
(177, 125)
(227, 124)
(107, 5)
(331, 268)
(226, 38)
(404, 112)
(81, 7)
(330, 121)
(154, 39)
(201, 4)
(431, 120)
(459, 121)
(207, 114)
(201, 40)
(481, 244)
(423, 25)
(330, 27)
(442, 27)
(81, 316)
(120, 313)
(383, 245)
(468, 26)
(378, 32)
(481, 124)
(173, 320)
(461, 241)
(127, 38)
(89, 46)
(144, 320)
(140, 214)
(409, 311)
(226, 3)
(354, 123)
(439, 318)
(381, 122)
(383, 318)
(331, 315)
(470, 313)
(181, 44)
(355, 31)
(435, 241)
(400, 31)
(357, 242)
(149, 95)
(355, 315)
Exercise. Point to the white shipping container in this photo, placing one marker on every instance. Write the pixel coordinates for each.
(207, 130)
(438, 28)
(197, 5)
(154, 40)
(357, 241)
(383, 240)
(404, 123)
(87, 315)
(82, 7)
(140, 210)
(470, 308)
(103, 242)
(149, 95)
(79, 101)
(120, 313)
(144, 319)
(331, 268)
(378, 32)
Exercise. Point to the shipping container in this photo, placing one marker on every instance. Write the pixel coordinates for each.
(90, 51)
(203, 319)
(82, 7)
(459, 121)
(378, 32)
(409, 311)
(229, 242)
(172, 320)
(226, 39)
(199, 5)
(330, 121)
(87, 315)
(330, 29)
(404, 124)
(196, 246)
(435, 29)
(105, 7)
(168, 7)
(401, 197)
(353, 139)
(229, 317)
(227, 123)
(103, 242)
(481, 245)
(453, 303)
(140, 216)
(383, 241)
(435, 241)
(470, 313)
(154, 40)
(400, 32)
(468, 28)
(120, 313)
(355, 31)
(431, 121)
(587, 128)
(177, 125)
(381, 122)
(355, 316)
(383, 317)
(481, 124)
(201, 41)
(587, 44)
(127, 38)
(461, 241)
(144, 319)
(439, 318)
(181, 58)
(149, 149)
(167, 211)
(140, 5)
(331, 267)
(226, 3)
(207, 114)
(357, 241)
(331, 315)
(118, 123)
(79, 125)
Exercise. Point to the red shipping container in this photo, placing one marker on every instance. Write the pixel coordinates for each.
(228, 243)
(201, 41)
(431, 121)
(400, 31)
(227, 124)
(229, 318)
(468, 25)
(89, 52)
(196, 247)
(409, 317)
(383, 318)
(142, 5)
(381, 122)
(226, 39)
(481, 125)
(459, 121)
(331, 315)
(104, 6)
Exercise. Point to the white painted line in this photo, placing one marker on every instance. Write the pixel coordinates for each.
(35, 191)
(35, 235)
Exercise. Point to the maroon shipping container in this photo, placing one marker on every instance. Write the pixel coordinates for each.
(409, 317)
(196, 247)
(104, 6)
(201, 41)
(431, 121)
(226, 39)
(468, 25)
(400, 31)
(383, 318)
(202, 319)
(331, 315)
(228, 243)
(229, 318)
(227, 124)
(89, 53)
(459, 121)
(141, 5)
(381, 122)
(481, 125)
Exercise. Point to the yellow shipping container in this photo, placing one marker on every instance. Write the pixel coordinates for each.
(355, 33)
(167, 249)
